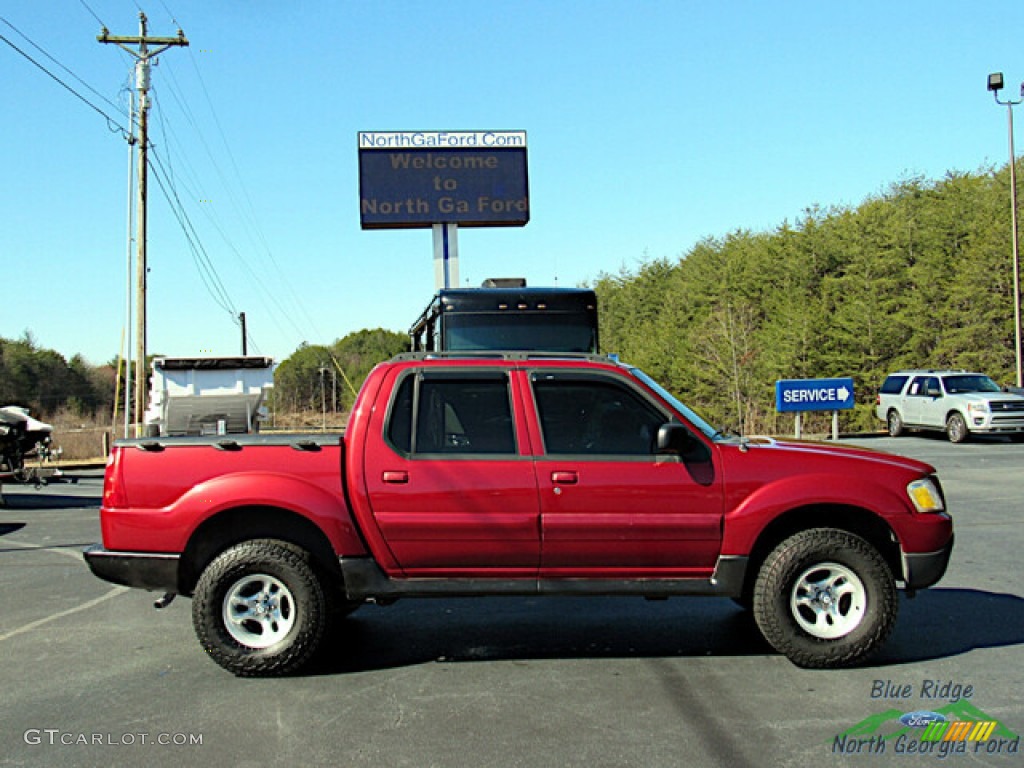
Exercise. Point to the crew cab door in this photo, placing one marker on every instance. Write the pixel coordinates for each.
(449, 489)
(920, 402)
(934, 405)
(609, 505)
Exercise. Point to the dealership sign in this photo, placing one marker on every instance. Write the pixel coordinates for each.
(421, 178)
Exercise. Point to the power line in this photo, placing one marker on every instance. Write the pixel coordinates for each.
(54, 60)
(245, 212)
(174, 181)
(92, 12)
(111, 122)
(207, 271)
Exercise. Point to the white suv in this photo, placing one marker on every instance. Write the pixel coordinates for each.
(956, 402)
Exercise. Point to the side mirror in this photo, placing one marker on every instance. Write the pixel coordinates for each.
(934, 392)
(676, 440)
(673, 438)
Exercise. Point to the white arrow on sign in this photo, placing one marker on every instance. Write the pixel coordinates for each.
(844, 394)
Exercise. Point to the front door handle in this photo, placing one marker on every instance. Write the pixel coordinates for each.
(395, 476)
(564, 478)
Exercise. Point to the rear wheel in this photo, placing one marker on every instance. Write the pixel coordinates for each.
(260, 608)
(825, 598)
(956, 428)
(894, 423)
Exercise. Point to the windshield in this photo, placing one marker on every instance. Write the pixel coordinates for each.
(519, 331)
(970, 383)
(686, 411)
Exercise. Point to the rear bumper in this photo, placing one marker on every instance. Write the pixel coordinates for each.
(143, 570)
(923, 569)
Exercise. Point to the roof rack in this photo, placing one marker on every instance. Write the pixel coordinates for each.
(513, 355)
(932, 370)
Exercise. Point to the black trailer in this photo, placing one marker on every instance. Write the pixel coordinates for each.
(500, 316)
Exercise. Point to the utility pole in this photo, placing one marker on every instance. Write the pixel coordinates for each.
(245, 339)
(143, 56)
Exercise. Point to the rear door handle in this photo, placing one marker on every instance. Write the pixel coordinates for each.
(564, 478)
(395, 477)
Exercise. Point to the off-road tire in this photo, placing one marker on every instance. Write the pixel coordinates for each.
(956, 428)
(894, 423)
(269, 576)
(852, 572)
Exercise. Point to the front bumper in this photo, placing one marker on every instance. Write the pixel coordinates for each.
(143, 570)
(996, 428)
(923, 569)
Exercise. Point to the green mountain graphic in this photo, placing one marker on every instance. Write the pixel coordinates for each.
(956, 710)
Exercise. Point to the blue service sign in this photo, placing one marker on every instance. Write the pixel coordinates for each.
(814, 395)
(422, 178)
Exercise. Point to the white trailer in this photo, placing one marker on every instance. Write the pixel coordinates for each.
(208, 395)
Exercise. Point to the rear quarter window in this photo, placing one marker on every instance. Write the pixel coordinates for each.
(893, 385)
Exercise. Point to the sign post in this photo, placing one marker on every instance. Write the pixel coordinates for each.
(446, 256)
(800, 395)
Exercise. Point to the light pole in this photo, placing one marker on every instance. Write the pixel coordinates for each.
(323, 400)
(995, 84)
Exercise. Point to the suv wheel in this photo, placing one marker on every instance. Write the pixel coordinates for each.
(956, 428)
(825, 598)
(894, 423)
(260, 609)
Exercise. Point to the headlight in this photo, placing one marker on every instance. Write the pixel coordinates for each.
(926, 496)
(977, 407)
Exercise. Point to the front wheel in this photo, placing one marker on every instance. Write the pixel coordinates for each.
(825, 598)
(956, 428)
(260, 608)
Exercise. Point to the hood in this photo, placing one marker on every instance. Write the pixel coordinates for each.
(990, 397)
(809, 453)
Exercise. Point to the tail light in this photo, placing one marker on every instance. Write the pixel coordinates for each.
(113, 488)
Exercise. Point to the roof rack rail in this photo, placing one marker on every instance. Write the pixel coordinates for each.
(497, 354)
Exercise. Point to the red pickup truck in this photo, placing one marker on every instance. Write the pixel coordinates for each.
(518, 474)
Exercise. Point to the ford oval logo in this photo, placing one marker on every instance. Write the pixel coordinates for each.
(922, 718)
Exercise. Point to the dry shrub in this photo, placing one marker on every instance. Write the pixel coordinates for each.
(79, 437)
(304, 421)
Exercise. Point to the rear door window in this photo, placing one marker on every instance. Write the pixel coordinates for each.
(894, 385)
(452, 413)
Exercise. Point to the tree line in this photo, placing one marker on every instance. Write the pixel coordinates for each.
(920, 275)
(314, 377)
(46, 383)
(327, 377)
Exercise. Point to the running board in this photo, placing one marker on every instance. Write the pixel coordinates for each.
(364, 580)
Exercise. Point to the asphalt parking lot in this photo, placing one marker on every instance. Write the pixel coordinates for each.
(93, 675)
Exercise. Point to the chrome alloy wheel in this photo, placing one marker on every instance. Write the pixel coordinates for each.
(828, 601)
(258, 610)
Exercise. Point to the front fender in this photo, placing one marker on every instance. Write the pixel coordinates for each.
(757, 509)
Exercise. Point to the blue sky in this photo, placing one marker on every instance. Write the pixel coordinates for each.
(651, 125)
